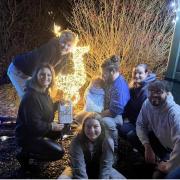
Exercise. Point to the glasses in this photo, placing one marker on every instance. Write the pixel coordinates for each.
(159, 92)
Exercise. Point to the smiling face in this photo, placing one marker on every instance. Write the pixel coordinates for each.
(66, 47)
(157, 97)
(92, 129)
(139, 74)
(44, 77)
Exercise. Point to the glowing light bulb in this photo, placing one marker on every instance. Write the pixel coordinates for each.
(71, 83)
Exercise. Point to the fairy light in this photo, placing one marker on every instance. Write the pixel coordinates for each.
(176, 9)
(71, 83)
(56, 30)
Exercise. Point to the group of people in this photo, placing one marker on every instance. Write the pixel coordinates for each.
(144, 113)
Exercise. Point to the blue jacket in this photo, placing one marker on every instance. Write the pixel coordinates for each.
(118, 96)
(138, 96)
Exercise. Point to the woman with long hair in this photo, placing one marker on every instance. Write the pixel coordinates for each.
(92, 152)
(35, 129)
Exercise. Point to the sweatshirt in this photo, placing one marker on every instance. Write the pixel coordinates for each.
(137, 97)
(117, 96)
(80, 162)
(164, 121)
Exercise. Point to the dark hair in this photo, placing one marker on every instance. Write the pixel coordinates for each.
(86, 118)
(145, 66)
(33, 82)
(112, 63)
(160, 85)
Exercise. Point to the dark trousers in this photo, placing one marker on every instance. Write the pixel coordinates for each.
(43, 148)
(128, 131)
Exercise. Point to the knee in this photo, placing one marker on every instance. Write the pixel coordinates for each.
(58, 153)
(131, 135)
(109, 123)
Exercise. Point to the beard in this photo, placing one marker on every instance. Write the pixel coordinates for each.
(157, 102)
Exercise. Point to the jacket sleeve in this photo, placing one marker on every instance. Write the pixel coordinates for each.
(34, 117)
(77, 160)
(55, 106)
(107, 159)
(174, 160)
(119, 98)
(142, 124)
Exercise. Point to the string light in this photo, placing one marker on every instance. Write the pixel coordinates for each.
(175, 7)
(71, 83)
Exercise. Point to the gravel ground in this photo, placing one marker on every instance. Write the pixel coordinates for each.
(9, 166)
(131, 164)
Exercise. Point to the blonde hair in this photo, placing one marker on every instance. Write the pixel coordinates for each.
(68, 35)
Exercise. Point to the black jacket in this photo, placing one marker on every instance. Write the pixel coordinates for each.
(48, 53)
(36, 112)
(138, 96)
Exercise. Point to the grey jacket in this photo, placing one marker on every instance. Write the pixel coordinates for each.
(106, 162)
(164, 121)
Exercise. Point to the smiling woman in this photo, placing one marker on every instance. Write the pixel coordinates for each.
(35, 129)
(91, 152)
(44, 78)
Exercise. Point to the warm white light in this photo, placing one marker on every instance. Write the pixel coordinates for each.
(71, 83)
(4, 138)
(173, 4)
(174, 21)
(56, 30)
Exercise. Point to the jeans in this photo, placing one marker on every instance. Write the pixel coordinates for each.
(128, 132)
(18, 79)
(174, 174)
(111, 125)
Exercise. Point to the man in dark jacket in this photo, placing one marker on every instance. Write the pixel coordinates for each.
(55, 52)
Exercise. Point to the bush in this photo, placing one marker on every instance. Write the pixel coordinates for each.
(140, 31)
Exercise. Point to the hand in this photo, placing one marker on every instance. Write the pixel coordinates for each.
(163, 166)
(149, 154)
(56, 126)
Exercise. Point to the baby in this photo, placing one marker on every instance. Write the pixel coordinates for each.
(94, 96)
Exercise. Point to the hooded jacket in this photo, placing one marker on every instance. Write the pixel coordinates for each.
(100, 162)
(164, 121)
(35, 114)
(137, 97)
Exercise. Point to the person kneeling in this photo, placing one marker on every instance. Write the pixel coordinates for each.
(35, 130)
(158, 128)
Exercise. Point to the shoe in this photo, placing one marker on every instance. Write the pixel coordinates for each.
(23, 160)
